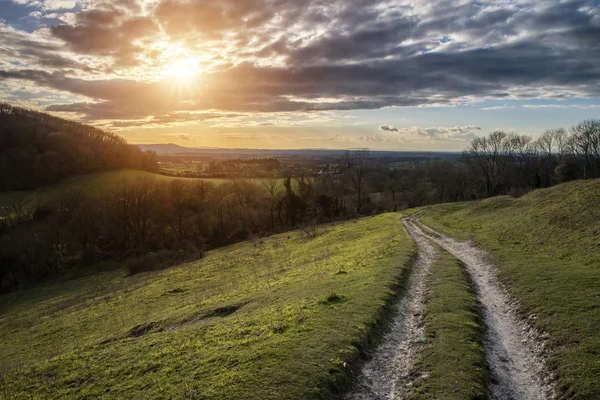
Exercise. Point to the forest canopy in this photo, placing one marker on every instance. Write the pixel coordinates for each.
(38, 149)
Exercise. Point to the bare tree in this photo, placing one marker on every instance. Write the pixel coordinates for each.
(585, 143)
(247, 193)
(177, 208)
(522, 152)
(488, 157)
(135, 203)
(330, 195)
(272, 184)
(550, 147)
(358, 166)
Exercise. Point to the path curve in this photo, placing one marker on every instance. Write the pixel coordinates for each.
(513, 352)
(386, 376)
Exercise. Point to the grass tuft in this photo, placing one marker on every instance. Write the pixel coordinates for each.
(334, 298)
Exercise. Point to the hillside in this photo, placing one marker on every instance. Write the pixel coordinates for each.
(38, 149)
(282, 318)
(547, 247)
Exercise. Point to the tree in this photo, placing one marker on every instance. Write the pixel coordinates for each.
(585, 143)
(177, 209)
(133, 211)
(272, 184)
(550, 146)
(358, 167)
(38, 149)
(488, 157)
(522, 152)
(291, 204)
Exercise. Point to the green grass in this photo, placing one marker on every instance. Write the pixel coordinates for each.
(181, 167)
(282, 320)
(91, 184)
(547, 247)
(454, 359)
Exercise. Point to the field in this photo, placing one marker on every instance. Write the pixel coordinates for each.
(547, 247)
(181, 167)
(92, 184)
(283, 318)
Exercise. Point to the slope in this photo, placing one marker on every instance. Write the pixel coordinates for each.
(38, 149)
(547, 248)
(280, 319)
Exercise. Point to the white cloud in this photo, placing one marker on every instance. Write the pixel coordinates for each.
(497, 108)
(567, 106)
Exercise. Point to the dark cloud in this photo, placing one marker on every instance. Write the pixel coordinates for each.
(107, 32)
(388, 128)
(307, 55)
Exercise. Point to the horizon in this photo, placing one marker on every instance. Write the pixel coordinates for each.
(384, 75)
(296, 149)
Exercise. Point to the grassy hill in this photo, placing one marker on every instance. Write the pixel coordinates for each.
(92, 184)
(283, 318)
(547, 247)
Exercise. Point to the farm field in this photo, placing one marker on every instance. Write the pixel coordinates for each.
(181, 167)
(546, 246)
(282, 318)
(91, 184)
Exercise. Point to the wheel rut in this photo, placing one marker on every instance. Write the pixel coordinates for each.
(387, 375)
(513, 349)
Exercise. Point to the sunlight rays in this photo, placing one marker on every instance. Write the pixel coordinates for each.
(182, 69)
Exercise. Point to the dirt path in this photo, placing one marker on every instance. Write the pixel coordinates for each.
(386, 375)
(512, 349)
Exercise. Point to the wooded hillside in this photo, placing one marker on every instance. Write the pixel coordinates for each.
(38, 149)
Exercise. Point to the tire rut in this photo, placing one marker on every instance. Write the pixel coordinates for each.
(387, 375)
(513, 349)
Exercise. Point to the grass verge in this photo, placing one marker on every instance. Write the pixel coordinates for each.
(286, 319)
(453, 363)
(547, 247)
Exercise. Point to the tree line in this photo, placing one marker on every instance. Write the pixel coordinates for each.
(39, 149)
(149, 224)
(509, 163)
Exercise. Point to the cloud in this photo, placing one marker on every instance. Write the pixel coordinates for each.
(303, 55)
(449, 134)
(413, 137)
(564, 106)
(497, 108)
(107, 32)
(388, 128)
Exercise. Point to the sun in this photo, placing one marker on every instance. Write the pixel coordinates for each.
(181, 69)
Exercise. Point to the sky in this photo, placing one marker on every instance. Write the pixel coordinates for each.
(379, 74)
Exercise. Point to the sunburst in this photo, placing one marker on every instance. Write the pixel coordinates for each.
(182, 69)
